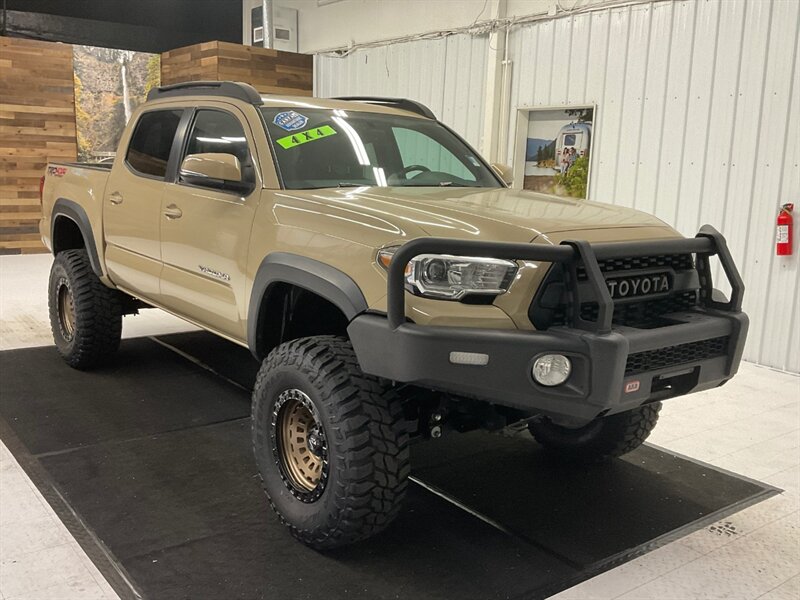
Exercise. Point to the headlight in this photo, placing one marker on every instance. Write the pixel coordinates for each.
(453, 277)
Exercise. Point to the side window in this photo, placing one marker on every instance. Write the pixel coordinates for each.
(151, 142)
(418, 149)
(218, 132)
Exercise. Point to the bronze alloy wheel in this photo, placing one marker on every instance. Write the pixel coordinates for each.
(66, 311)
(300, 445)
(330, 442)
(85, 315)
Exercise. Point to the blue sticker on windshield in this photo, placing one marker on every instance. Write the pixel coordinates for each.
(290, 120)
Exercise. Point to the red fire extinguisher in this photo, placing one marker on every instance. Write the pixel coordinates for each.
(784, 233)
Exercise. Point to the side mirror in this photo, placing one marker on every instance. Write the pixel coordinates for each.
(213, 169)
(504, 172)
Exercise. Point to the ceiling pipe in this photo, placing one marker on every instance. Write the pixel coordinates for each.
(266, 19)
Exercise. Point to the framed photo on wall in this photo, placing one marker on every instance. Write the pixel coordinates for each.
(554, 148)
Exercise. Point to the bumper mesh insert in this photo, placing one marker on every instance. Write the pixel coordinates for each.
(644, 314)
(651, 360)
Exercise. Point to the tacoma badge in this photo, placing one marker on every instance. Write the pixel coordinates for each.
(213, 273)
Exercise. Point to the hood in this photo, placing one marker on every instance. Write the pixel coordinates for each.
(488, 214)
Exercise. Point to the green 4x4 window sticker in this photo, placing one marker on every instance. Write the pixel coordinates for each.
(317, 133)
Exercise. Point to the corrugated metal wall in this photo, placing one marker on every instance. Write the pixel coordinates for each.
(698, 120)
(446, 75)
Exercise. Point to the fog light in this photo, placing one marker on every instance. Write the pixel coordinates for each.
(551, 369)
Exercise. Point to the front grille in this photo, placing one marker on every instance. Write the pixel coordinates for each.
(644, 313)
(677, 262)
(651, 360)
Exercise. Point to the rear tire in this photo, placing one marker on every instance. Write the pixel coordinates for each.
(85, 315)
(330, 442)
(600, 440)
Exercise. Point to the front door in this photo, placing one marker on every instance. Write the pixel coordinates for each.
(132, 203)
(205, 230)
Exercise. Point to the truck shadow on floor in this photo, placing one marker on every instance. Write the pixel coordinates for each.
(153, 454)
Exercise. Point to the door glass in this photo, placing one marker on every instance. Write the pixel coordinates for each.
(150, 145)
(218, 132)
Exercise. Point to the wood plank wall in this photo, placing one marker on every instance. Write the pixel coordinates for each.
(37, 112)
(37, 125)
(269, 71)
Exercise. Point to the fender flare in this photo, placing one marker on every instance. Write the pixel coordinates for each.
(324, 280)
(75, 213)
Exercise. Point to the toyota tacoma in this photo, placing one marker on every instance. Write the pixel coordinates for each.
(392, 285)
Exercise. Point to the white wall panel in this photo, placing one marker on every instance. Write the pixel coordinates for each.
(698, 120)
(777, 175)
(678, 42)
(654, 122)
(446, 75)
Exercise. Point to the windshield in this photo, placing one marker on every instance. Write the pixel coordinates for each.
(322, 148)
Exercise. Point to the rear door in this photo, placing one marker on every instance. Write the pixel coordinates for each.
(132, 202)
(205, 233)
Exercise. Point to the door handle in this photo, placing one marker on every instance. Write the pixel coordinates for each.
(116, 198)
(173, 212)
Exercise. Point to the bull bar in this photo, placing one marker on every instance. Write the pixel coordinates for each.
(389, 346)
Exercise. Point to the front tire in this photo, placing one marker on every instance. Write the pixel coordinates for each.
(600, 440)
(85, 315)
(330, 443)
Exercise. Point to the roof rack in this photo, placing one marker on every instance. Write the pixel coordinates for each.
(401, 103)
(229, 89)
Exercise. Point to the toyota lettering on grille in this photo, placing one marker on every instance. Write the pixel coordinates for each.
(638, 285)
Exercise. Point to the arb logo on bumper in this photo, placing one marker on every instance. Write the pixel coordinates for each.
(632, 386)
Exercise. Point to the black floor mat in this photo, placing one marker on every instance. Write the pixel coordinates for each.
(147, 389)
(153, 454)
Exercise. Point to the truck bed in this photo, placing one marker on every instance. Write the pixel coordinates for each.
(80, 186)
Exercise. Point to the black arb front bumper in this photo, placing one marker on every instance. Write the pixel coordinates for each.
(613, 368)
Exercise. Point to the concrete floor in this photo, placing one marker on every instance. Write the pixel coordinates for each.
(750, 426)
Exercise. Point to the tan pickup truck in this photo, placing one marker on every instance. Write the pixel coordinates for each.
(391, 283)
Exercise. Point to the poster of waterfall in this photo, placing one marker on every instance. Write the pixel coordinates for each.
(109, 85)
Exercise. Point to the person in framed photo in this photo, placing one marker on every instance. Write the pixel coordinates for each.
(571, 157)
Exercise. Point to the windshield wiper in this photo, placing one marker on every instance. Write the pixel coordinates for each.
(443, 184)
(343, 184)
